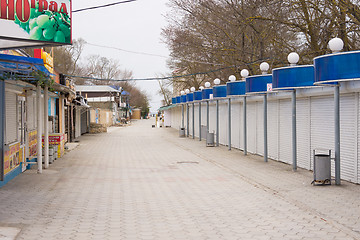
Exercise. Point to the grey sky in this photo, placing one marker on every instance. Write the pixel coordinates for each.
(134, 26)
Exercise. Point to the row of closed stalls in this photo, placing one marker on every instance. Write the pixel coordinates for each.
(288, 114)
(35, 105)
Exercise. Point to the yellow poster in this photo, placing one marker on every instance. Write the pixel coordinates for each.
(32, 144)
(12, 157)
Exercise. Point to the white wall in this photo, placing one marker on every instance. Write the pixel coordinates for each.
(315, 125)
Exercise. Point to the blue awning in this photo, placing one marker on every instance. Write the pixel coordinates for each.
(22, 66)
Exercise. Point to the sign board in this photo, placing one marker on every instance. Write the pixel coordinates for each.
(30, 23)
(46, 57)
(269, 87)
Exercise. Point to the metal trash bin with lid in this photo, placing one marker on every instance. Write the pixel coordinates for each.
(210, 139)
(182, 132)
(322, 167)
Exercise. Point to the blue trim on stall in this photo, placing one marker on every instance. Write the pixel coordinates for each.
(337, 67)
(219, 91)
(189, 97)
(173, 100)
(258, 83)
(235, 88)
(198, 96)
(178, 100)
(11, 175)
(289, 78)
(206, 93)
(183, 98)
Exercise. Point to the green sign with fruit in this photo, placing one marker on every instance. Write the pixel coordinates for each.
(37, 20)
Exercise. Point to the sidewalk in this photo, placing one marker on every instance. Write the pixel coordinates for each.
(141, 182)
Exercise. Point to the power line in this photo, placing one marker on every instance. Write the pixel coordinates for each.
(149, 79)
(102, 6)
(153, 55)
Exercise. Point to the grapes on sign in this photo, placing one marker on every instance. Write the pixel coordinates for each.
(47, 25)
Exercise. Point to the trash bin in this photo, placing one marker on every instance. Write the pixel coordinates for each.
(210, 139)
(182, 132)
(322, 168)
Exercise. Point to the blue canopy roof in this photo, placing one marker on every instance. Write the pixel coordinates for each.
(23, 66)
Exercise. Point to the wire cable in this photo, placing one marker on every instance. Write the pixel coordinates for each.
(160, 78)
(151, 54)
(102, 6)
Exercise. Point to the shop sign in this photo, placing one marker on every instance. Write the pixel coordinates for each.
(46, 57)
(35, 22)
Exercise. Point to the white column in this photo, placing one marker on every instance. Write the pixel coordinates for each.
(46, 126)
(39, 127)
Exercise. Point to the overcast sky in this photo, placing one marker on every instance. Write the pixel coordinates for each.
(134, 26)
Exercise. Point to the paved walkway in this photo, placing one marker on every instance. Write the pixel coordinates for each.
(140, 182)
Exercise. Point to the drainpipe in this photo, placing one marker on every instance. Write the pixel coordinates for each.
(265, 130)
(39, 128)
(193, 120)
(229, 123)
(2, 128)
(199, 121)
(337, 133)
(245, 131)
(217, 123)
(293, 102)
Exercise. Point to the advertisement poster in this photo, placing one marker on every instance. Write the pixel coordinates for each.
(33, 144)
(12, 158)
(36, 20)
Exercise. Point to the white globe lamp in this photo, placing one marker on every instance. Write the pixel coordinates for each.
(244, 73)
(336, 45)
(264, 67)
(192, 89)
(182, 92)
(201, 88)
(293, 58)
(217, 81)
(187, 91)
(207, 84)
(232, 78)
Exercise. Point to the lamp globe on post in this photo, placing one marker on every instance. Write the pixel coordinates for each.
(182, 92)
(192, 89)
(336, 45)
(187, 91)
(217, 81)
(244, 74)
(264, 67)
(232, 78)
(293, 58)
(201, 88)
(207, 84)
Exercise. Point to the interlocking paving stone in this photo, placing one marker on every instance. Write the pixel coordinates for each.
(143, 183)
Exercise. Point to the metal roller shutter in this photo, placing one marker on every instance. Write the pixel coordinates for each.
(196, 120)
(322, 124)
(273, 129)
(241, 124)
(31, 113)
(285, 148)
(260, 128)
(303, 132)
(11, 117)
(223, 125)
(251, 126)
(235, 123)
(190, 119)
(348, 137)
(212, 115)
